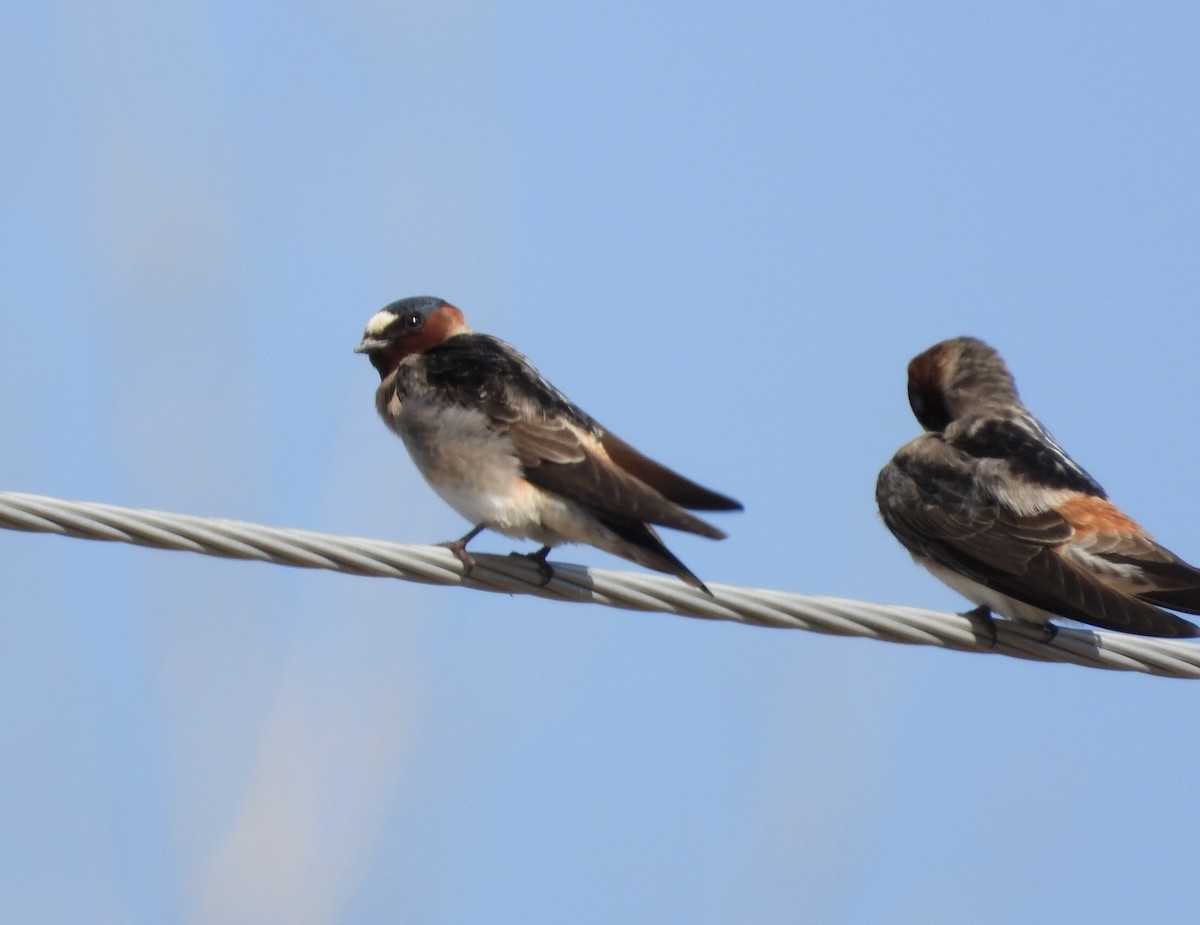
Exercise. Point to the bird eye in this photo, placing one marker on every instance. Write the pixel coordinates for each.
(412, 321)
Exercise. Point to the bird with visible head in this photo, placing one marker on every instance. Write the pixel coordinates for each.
(511, 453)
(989, 503)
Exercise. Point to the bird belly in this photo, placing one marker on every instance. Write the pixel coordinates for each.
(472, 467)
(982, 595)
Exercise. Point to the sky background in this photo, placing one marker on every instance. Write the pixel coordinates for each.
(722, 232)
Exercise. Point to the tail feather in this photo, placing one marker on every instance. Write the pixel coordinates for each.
(1186, 600)
(648, 550)
(1058, 586)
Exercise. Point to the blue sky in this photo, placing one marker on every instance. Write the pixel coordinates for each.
(723, 233)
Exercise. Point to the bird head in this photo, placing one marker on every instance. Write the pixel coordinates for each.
(408, 327)
(955, 378)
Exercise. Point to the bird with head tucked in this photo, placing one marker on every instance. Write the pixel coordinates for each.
(989, 503)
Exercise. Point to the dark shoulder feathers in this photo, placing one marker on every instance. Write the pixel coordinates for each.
(1019, 439)
(486, 373)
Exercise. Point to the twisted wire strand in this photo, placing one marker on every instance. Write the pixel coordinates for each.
(627, 590)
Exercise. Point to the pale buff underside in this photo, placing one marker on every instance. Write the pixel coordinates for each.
(474, 469)
(1119, 576)
(982, 595)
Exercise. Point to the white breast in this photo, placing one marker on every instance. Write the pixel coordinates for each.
(471, 465)
(980, 594)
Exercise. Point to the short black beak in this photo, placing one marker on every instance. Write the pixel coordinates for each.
(370, 343)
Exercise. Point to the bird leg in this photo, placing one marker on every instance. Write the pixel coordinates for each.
(982, 616)
(539, 558)
(459, 548)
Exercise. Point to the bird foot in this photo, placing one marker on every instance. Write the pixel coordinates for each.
(539, 559)
(459, 548)
(982, 617)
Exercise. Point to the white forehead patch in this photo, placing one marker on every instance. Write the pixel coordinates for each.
(379, 323)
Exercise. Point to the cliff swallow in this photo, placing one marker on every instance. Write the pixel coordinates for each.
(989, 503)
(510, 453)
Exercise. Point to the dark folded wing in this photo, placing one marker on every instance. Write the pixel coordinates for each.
(561, 458)
(937, 511)
(1167, 580)
(670, 484)
(1017, 437)
(483, 372)
(931, 501)
(559, 445)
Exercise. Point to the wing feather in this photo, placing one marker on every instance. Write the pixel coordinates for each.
(670, 484)
(561, 448)
(931, 500)
(595, 482)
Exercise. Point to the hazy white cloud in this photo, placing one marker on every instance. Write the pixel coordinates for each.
(821, 786)
(328, 764)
